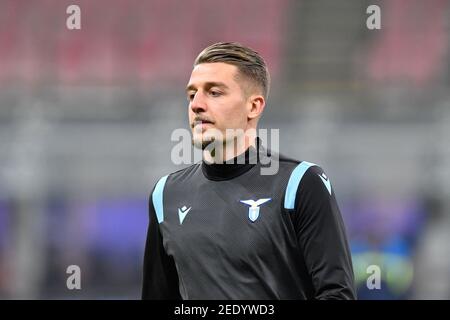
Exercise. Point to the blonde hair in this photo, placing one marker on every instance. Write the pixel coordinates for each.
(249, 63)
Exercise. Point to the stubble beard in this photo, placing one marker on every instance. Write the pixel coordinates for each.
(203, 143)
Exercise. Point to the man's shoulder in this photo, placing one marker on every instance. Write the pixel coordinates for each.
(181, 173)
(286, 162)
(185, 171)
(293, 163)
(296, 166)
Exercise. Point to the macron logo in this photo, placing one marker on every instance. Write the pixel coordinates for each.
(183, 212)
(326, 182)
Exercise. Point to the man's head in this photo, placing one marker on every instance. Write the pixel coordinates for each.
(227, 90)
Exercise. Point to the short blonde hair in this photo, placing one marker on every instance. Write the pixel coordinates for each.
(249, 63)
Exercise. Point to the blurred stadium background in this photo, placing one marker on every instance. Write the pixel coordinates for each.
(86, 118)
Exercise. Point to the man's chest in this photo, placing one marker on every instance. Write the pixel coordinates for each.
(233, 218)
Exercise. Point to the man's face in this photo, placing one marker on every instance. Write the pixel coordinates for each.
(216, 102)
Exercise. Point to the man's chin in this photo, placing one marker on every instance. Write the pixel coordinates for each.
(202, 143)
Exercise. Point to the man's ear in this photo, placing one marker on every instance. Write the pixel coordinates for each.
(256, 104)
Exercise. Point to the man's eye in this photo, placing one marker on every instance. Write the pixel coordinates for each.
(215, 93)
(191, 96)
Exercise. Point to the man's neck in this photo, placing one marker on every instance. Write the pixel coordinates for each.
(229, 150)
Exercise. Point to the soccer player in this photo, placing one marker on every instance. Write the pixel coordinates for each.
(221, 230)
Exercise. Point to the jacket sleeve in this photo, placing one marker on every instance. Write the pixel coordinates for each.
(160, 278)
(322, 238)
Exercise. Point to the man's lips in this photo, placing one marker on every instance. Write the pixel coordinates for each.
(202, 123)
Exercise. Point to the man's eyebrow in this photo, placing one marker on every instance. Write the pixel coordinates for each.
(208, 85)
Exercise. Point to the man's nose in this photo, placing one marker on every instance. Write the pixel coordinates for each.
(198, 103)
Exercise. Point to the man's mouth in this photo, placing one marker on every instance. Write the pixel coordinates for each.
(201, 122)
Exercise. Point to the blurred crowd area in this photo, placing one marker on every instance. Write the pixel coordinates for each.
(86, 118)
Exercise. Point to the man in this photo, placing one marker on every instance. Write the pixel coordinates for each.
(221, 230)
